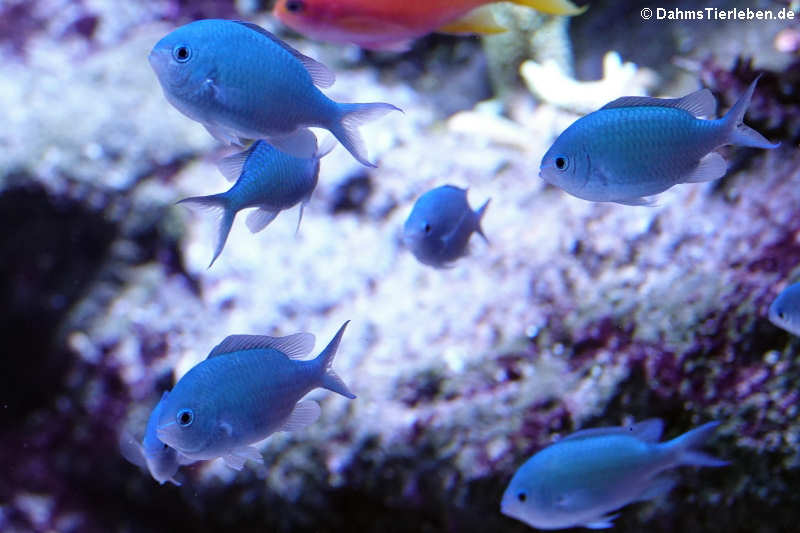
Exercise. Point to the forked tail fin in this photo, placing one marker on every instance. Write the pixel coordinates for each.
(351, 117)
(219, 204)
(330, 380)
(739, 132)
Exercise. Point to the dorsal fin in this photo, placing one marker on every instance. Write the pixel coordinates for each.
(321, 75)
(232, 165)
(647, 430)
(294, 346)
(699, 103)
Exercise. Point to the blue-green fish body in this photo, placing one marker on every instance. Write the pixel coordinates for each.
(582, 478)
(785, 309)
(266, 178)
(438, 229)
(159, 459)
(635, 147)
(240, 81)
(249, 387)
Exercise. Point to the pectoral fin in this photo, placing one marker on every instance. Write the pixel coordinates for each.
(131, 449)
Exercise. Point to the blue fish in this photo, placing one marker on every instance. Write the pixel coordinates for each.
(580, 479)
(249, 387)
(159, 459)
(635, 147)
(785, 309)
(440, 224)
(266, 178)
(240, 81)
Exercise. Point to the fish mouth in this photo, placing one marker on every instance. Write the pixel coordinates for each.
(543, 176)
(158, 58)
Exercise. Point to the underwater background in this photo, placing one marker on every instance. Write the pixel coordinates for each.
(576, 314)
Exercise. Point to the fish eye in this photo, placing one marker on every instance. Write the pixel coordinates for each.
(427, 229)
(561, 163)
(295, 6)
(164, 446)
(522, 497)
(781, 315)
(181, 53)
(185, 417)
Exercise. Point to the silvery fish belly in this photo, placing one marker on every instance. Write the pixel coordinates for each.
(583, 477)
(249, 387)
(242, 82)
(636, 147)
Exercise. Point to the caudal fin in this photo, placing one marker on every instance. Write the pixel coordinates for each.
(330, 380)
(552, 7)
(740, 133)
(219, 204)
(684, 447)
(352, 116)
(479, 217)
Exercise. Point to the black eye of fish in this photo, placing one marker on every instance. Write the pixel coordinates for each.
(185, 417)
(427, 229)
(164, 446)
(521, 496)
(181, 54)
(295, 6)
(561, 163)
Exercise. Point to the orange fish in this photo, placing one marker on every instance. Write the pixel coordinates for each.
(393, 24)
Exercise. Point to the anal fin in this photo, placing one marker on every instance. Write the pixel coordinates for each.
(604, 522)
(646, 201)
(658, 488)
(300, 143)
(304, 414)
(711, 167)
(260, 219)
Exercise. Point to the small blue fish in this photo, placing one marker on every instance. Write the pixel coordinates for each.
(580, 479)
(439, 227)
(785, 309)
(266, 178)
(635, 147)
(159, 459)
(248, 388)
(240, 81)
